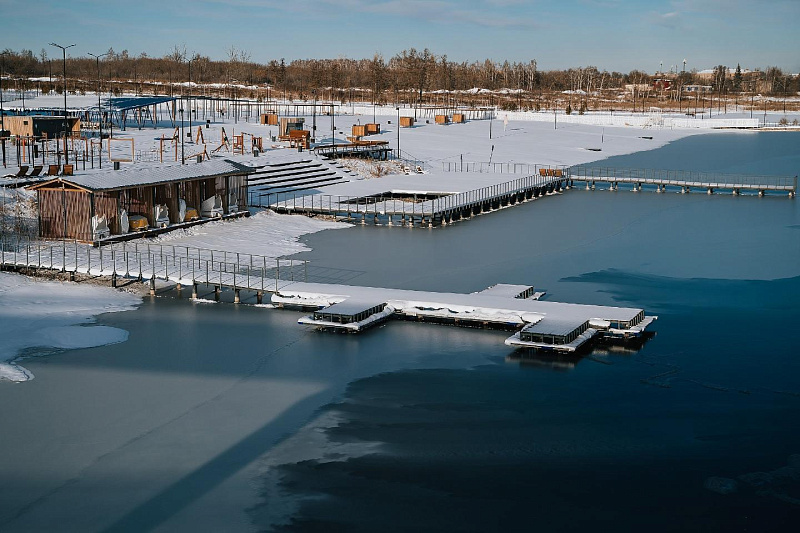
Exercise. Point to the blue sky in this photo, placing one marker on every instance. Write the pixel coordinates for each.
(610, 34)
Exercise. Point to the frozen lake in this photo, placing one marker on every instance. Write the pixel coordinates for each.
(215, 417)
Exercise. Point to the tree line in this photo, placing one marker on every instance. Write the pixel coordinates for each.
(410, 72)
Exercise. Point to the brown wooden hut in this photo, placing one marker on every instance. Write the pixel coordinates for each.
(68, 203)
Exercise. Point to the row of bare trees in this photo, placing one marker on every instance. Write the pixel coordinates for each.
(410, 71)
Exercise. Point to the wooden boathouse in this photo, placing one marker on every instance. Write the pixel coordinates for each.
(68, 205)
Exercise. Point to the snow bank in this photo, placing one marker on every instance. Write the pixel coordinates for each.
(49, 314)
(265, 233)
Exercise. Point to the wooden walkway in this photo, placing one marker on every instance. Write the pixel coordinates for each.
(181, 265)
(684, 180)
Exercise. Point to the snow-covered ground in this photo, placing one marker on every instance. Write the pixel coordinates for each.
(266, 233)
(53, 315)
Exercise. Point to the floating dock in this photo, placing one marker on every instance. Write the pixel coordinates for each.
(413, 206)
(539, 325)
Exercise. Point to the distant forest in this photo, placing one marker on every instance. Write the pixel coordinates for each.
(409, 76)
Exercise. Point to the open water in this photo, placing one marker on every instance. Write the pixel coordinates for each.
(217, 417)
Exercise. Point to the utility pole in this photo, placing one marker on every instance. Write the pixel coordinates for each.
(66, 122)
(99, 107)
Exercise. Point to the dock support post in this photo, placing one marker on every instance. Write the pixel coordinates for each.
(236, 296)
(114, 280)
(216, 292)
(152, 286)
(736, 192)
(194, 291)
(178, 287)
(791, 194)
(710, 190)
(259, 297)
(760, 193)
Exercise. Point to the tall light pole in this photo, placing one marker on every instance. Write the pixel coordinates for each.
(99, 107)
(190, 96)
(183, 160)
(398, 131)
(2, 113)
(66, 122)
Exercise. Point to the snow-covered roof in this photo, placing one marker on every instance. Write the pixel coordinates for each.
(555, 326)
(351, 307)
(135, 177)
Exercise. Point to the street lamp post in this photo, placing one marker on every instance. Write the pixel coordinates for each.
(190, 96)
(2, 113)
(99, 107)
(66, 122)
(183, 160)
(398, 131)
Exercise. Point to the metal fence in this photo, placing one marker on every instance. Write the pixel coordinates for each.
(181, 264)
(499, 167)
(412, 205)
(681, 177)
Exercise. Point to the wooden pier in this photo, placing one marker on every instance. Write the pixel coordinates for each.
(683, 180)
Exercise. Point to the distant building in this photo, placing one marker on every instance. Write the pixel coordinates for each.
(39, 126)
(662, 84)
(697, 88)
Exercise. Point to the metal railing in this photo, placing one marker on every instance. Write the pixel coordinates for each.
(411, 205)
(682, 177)
(497, 167)
(181, 264)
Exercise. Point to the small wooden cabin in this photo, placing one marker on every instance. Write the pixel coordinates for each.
(67, 204)
(459, 118)
(406, 122)
(442, 119)
(40, 125)
(360, 130)
(373, 128)
(269, 119)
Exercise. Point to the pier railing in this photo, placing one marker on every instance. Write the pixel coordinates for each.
(682, 178)
(338, 205)
(180, 264)
(499, 167)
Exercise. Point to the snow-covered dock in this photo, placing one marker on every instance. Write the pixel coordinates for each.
(682, 179)
(540, 325)
(429, 206)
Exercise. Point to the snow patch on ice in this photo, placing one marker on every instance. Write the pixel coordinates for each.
(46, 314)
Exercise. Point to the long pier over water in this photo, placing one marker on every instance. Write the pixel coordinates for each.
(684, 180)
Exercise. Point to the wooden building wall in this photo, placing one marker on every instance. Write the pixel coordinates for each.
(138, 201)
(56, 205)
(107, 203)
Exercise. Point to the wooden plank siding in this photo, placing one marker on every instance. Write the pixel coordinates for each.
(75, 206)
(107, 203)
